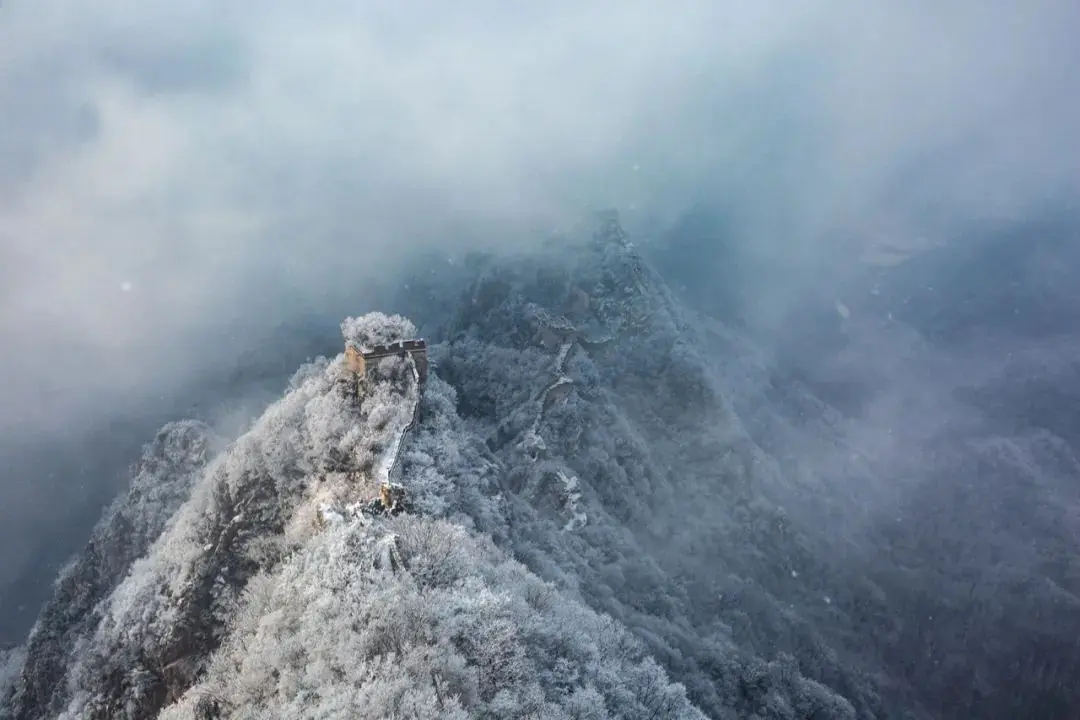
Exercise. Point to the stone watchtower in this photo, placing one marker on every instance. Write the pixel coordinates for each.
(354, 360)
(358, 359)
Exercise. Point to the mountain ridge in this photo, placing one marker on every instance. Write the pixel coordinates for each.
(602, 466)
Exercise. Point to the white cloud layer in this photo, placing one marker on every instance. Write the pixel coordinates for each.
(171, 170)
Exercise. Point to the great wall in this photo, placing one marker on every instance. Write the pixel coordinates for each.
(554, 333)
(357, 358)
(392, 474)
(386, 474)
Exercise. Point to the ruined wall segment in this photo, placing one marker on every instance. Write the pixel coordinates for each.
(359, 358)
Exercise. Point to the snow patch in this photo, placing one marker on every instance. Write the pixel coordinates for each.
(578, 518)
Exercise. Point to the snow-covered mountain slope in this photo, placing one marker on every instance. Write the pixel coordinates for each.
(676, 523)
(357, 616)
(162, 481)
(618, 508)
(414, 617)
(951, 430)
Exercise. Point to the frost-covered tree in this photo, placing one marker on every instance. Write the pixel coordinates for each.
(377, 328)
(421, 618)
(684, 506)
(11, 665)
(152, 630)
(610, 517)
(161, 481)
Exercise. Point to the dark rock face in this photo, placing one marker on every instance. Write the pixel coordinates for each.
(638, 485)
(161, 482)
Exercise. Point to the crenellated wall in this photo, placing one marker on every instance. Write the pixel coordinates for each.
(357, 359)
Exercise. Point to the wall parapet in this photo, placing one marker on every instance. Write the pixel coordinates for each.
(357, 357)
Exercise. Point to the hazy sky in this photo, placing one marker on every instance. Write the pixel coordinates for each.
(168, 165)
(169, 171)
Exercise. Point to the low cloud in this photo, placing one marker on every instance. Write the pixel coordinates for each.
(174, 175)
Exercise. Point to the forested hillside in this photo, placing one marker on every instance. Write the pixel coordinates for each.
(618, 506)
